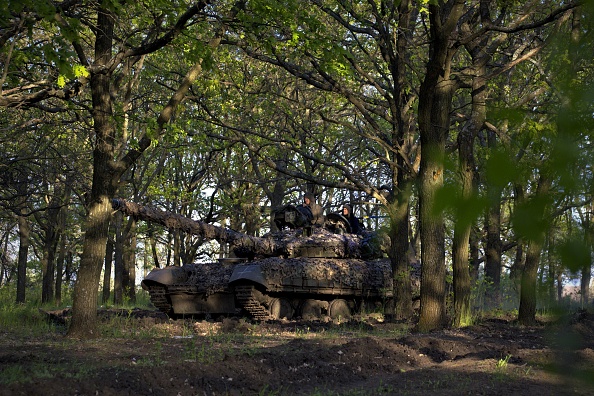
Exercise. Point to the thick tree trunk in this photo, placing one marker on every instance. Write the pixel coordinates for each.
(435, 99)
(86, 290)
(106, 172)
(84, 308)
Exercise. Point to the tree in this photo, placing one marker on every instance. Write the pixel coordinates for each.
(100, 73)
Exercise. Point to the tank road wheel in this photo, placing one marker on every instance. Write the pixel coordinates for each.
(312, 309)
(281, 308)
(339, 310)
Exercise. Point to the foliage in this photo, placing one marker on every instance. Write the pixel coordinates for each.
(301, 96)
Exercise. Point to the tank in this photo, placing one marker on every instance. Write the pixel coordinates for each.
(300, 271)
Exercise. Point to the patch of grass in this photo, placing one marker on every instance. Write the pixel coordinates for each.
(203, 350)
(25, 320)
(502, 363)
(501, 368)
(21, 373)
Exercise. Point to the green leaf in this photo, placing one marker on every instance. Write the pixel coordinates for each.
(575, 254)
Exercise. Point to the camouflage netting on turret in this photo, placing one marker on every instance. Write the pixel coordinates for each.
(346, 273)
(294, 243)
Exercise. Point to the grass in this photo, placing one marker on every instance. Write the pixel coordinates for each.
(162, 344)
(29, 373)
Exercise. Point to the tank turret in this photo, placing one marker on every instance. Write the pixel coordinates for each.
(299, 271)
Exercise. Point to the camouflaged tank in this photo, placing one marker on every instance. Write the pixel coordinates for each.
(300, 271)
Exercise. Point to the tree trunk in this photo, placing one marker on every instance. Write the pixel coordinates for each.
(462, 229)
(106, 172)
(527, 310)
(118, 261)
(109, 253)
(153, 245)
(86, 290)
(49, 261)
(129, 279)
(24, 235)
(399, 209)
(435, 99)
(399, 219)
(474, 255)
(84, 308)
(559, 285)
(585, 282)
(493, 245)
(61, 256)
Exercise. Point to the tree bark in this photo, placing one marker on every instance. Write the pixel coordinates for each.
(402, 180)
(586, 270)
(84, 307)
(24, 242)
(493, 245)
(109, 249)
(399, 228)
(130, 262)
(118, 260)
(435, 99)
(462, 229)
(527, 310)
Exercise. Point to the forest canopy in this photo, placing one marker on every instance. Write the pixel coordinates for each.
(461, 130)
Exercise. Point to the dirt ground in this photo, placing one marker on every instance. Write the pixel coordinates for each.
(157, 356)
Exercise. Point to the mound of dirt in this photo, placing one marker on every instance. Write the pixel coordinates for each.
(238, 357)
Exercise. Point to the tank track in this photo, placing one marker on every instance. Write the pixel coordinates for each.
(245, 295)
(159, 299)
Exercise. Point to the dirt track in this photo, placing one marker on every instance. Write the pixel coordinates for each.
(234, 357)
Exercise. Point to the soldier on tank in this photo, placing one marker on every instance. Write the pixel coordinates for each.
(316, 210)
(347, 212)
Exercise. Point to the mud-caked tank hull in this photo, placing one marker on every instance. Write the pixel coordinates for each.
(272, 288)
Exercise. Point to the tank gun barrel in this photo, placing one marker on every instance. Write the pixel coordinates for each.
(174, 221)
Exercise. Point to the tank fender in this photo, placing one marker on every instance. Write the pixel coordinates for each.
(248, 272)
(164, 276)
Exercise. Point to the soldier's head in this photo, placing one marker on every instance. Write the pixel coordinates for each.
(346, 210)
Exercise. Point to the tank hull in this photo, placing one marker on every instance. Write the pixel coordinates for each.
(272, 288)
